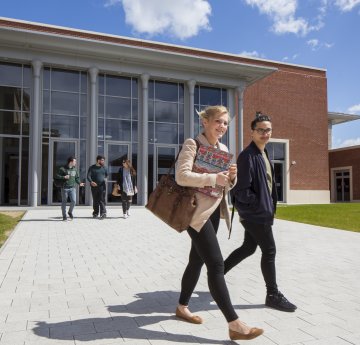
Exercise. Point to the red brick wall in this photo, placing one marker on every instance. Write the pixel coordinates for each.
(296, 100)
(345, 158)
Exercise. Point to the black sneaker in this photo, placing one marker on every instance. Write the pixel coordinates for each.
(278, 301)
(64, 219)
(71, 215)
(94, 215)
(102, 216)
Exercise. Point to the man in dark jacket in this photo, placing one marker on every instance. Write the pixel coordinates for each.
(97, 175)
(255, 200)
(69, 174)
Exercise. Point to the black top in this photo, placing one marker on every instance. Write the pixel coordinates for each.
(253, 199)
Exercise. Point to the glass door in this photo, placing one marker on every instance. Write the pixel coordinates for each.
(59, 152)
(342, 180)
(164, 158)
(115, 153)
(279, 180)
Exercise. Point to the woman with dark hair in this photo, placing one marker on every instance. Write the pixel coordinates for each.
(127, 185)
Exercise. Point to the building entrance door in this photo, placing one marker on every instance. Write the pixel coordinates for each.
(59, 152)
(164, 157)
(279, 180)
(115, 153)
(342, 183)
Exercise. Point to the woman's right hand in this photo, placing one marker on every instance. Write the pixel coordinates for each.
(222, 178)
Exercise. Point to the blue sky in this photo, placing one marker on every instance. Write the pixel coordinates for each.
(318, 33)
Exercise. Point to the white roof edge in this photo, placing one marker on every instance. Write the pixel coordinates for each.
(163, 44)
(345, 148)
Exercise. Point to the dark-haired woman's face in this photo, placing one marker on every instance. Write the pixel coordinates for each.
(262, 133)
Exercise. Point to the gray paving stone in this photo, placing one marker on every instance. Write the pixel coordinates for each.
(91, 282)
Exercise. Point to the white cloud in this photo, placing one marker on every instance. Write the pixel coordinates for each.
(346, 143)
(180, 18)
(313, 43)
(346, 5)
(254, 53)
(354, 109)
(282, 13)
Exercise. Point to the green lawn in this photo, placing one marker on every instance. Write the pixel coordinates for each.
(8, 221)
(339, 216)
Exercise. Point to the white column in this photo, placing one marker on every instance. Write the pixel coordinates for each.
(190, 124)
(143, 141)
(240, 128)
(35, 135)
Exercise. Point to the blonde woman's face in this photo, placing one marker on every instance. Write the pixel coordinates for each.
(216, 126)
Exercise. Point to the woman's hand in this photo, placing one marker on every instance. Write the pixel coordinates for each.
(232, 172)
(222, 178)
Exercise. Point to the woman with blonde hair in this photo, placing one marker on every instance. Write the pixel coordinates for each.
(205, 222)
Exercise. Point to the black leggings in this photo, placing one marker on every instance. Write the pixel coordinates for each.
(205, 249)
(257, 235)
(126, 201)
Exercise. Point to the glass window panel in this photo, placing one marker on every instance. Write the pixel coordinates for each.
(101, 84)
(64, 126)
(10, 74)
(210, 96)
(134, 84)
(65, 80)
(83, 105)
(82, 171)
(25, 123)
(166, 91)
(46, 78)
(24, 172)
(10, 122)
(65, 103)
(181, 134)
(196, 95)
(118, 130)
(26, 100)
(101, 150)
(151, 110)
(135, 109)
(134, 131)
(270, 150)
(279, 151)
(166, 112)
(83, 81)
(118, 86)
(151, 89)
(101, 129)
(224, 97)
(118, 108)
(166, 133)
(181, 113)
(10, 98)
(151, 133)
(181, 93)
(346, 173)
(101, 102)
(27, 78)
(83, 127)
(46, 126)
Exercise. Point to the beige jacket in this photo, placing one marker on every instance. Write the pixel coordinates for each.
(186, 177)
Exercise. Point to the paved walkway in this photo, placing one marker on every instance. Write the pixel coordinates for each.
(116, 281)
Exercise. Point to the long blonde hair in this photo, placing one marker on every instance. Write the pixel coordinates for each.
(211, 111)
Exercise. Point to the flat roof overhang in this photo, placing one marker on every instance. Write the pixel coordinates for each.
(38, 37)
(336, 118)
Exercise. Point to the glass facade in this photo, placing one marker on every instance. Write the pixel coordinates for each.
(65, 111)
(117, 124)
(166, 125)
(205, 96)
(15, 91)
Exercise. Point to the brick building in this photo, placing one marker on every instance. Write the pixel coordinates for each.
(65, 91)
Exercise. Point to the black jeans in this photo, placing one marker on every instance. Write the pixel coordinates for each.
(257, 235)
(126, 201)
(205, 249)
(99, 197)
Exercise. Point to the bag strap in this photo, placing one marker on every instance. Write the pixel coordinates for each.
(177, 156)
(232, 215)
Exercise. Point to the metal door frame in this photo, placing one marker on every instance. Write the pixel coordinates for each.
(51, 164)
(333, 191)
(156, 160)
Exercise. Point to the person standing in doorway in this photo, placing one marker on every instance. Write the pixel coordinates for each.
(97, 175)
(70, 175)
(127, 185)
(255, 199)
